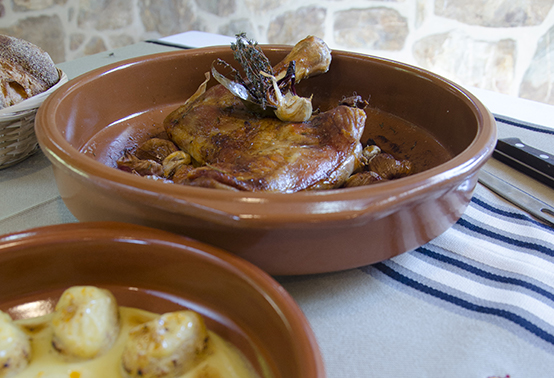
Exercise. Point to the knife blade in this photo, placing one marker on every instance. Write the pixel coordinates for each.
(526, 159)
(518, 197)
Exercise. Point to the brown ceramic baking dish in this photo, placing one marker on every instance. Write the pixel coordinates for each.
(84, 127)
(160, 272)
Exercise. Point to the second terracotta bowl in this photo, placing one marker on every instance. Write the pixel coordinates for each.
(159, 271)
(86, 124)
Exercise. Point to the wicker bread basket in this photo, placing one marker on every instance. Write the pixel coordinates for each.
(17, 127)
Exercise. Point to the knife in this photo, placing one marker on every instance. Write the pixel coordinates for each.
(518, 197)
(526, 159)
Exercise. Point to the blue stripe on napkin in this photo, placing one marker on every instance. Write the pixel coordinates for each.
(524, 125)
(514, 241)
(508, 213)
(495, 264)
(486, 273)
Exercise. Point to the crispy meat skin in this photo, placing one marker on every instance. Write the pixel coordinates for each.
(238, 149)
(248, 152)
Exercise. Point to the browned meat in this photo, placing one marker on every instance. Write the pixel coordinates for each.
(238, 149)
(233, 147)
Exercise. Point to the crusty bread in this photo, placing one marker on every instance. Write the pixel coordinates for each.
(25, 70)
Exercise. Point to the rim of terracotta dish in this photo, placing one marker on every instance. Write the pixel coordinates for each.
(305, 341)
(299, 206)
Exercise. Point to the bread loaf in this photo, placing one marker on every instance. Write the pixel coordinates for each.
(25, 70)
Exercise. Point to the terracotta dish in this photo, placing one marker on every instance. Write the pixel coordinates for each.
(159, 271)
(84, 127)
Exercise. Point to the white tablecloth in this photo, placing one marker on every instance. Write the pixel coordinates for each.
(478, 301)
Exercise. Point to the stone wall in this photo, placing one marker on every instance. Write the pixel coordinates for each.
(500, 45)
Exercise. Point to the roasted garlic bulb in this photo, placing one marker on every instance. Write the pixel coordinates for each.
(165, 347)
(174, 161)
(130, 163)
(85, 322)
(363, 179)
(273, 88)
(377, 166)
(289, 106)
(388, 167)
(156, 149)
(368, 153)
(15, 347)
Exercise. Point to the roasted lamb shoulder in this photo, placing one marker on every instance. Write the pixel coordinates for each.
(233, 147)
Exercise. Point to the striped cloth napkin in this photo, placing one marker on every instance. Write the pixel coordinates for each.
(496, 262)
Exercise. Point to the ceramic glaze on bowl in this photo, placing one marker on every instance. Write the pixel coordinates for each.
(86, 125)
(161, 272)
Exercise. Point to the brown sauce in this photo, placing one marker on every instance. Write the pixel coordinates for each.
(404, 140)
(394, 135)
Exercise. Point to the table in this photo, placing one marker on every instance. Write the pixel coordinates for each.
(478, 301)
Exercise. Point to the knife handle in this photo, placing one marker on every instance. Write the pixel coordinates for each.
(526, 159)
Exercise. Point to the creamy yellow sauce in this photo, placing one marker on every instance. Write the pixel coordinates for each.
(221, 358)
